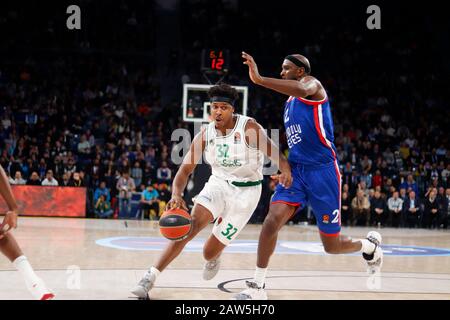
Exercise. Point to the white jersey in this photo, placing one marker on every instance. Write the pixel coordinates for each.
(230, 157)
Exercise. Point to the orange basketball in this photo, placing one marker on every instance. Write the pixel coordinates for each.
(175, 224)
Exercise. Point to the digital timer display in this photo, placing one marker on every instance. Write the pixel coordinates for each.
(215, 61)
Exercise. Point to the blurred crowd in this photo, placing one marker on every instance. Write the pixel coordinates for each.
(71, 122)
(95, 119)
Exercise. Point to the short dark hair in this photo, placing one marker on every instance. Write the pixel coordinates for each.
(223, 90)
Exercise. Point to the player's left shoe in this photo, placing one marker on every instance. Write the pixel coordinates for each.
(375, 260)
(253, 292)
(211, 268)
(142, 289)
(40, 291)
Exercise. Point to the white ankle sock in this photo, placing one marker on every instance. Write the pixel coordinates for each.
(24, 267)
(260, 276)
(155, 271)
(367, 246)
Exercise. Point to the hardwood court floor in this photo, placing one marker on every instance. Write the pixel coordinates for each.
(103, 259)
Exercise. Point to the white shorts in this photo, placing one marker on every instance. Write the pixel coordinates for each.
(230, 205)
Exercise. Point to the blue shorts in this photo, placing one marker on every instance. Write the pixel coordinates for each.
(320, 187)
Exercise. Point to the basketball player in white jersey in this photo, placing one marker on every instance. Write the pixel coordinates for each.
(234, 145)
(10, 248)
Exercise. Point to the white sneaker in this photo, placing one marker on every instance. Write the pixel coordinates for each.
(210, 269)
(144, 286)
(252, 293)
(375, 260)
(39, 291)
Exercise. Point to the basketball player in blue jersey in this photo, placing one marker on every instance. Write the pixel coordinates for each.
(315, 171)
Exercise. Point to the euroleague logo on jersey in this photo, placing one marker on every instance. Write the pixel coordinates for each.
(326, 217)
(237, 137)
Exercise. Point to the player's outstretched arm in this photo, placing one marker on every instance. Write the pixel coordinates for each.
(256, 137)
(307, 86)
(10, 220)
(188, 165)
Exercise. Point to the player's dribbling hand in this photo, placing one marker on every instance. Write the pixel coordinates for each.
(176, 202)
(9, 222)
(252, 68)
(284, 178)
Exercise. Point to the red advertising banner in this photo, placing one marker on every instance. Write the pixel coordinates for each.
(49, 201)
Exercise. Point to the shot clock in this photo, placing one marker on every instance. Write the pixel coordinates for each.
(215, 61)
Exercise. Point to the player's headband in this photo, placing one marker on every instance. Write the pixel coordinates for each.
(298, 63)
(222, 99)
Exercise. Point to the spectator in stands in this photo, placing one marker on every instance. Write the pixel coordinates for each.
(347, 173)
(58, 167)
(125, 186)
(84, 147)
(164, 196)
(49, 180)
(34, 179)
(345, 208)
(42, 168)
(14, 167)
(413, 211)
(18, 180)
(90, 138)
(366, 165)
(434, 174)
(164, 174)
(388, 187)
(150, 202)
(96, 169)
(441, 193)
(70, 167)
(378, 209)
(363, 187)
(136, 173)
(65, 181)
(377, 179)
(142, 188)
(431, 210)
(76, 180)
(410, 184)
(367, 179)
(102, 190)
(353, 183)
(59, 149)
(353, 158)
(443, 206)
(395, 206)
(403, 195)
(103, 207)
(360, 209)
(445, 176)
(148, 174)
(388, 155)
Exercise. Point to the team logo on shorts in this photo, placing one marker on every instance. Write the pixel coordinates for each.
(326, 219)
(237, 137)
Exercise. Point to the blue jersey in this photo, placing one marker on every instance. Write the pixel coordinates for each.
(315, 169)
(309, 131)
